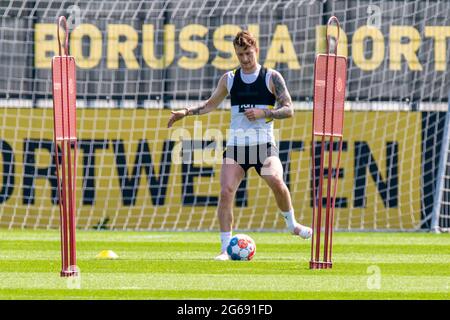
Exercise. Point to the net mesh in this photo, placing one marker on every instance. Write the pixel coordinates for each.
(138, 60)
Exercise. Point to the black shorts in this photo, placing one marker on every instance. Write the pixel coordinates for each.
(251, 156)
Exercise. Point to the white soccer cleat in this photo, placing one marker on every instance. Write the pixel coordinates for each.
(303, 231)
(222, 257)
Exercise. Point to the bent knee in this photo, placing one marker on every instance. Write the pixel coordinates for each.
(227, 192)
(276, 183)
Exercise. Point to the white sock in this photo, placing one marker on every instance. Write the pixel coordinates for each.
(225, 238)
(290, 219)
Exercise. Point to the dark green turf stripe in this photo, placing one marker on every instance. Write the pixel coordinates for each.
(213, 267)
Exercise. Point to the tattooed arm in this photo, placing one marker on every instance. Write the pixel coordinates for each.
(285, 109)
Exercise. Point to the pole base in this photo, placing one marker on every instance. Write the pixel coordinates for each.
(320, 265)
(69, 273)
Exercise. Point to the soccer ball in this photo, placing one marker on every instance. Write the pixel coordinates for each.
(241, 247)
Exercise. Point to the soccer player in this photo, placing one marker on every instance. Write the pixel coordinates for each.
(254, 91)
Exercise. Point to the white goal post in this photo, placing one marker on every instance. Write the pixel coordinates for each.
(440, 218)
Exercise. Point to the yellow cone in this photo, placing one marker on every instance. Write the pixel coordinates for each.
(107, 254)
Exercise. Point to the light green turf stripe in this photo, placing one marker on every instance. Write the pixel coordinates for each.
(374, 258)
(355, 258)
(340, 238)
(212, 282)
(275, 251)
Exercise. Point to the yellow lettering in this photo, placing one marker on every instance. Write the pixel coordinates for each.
(397, 49)
(95, 47)
(118, 48)
(148, 46)
(44, 48)
(440, 35)
(358, 48)
(223, 45)
(197, 47)
(281, 50)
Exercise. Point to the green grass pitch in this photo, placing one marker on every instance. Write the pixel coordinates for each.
(180, 265)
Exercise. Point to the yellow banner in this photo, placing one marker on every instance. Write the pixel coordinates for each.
(131, 174)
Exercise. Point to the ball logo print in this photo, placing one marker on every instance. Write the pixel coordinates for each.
(241, 247)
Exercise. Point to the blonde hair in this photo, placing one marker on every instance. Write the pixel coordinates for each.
(244, 39)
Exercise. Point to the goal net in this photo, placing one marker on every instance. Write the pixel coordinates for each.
(138, 60)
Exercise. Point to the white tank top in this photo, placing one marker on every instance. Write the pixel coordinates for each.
(243, 131)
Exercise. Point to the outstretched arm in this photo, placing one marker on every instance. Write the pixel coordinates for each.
(285, 108)
(213, 102)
